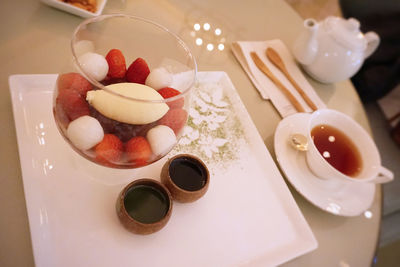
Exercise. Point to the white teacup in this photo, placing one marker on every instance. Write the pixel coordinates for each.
(371, 169)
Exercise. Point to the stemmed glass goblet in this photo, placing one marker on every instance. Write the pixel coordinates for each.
(126, 101)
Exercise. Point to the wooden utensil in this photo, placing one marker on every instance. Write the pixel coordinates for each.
(275, 80)
(274, 57)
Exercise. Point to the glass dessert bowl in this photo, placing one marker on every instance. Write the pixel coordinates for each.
(125, 101)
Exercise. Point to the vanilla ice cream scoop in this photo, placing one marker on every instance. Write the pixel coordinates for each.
(126, 110)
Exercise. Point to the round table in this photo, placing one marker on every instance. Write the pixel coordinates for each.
(35, 39)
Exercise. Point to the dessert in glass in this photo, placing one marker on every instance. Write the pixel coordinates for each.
(125, 101)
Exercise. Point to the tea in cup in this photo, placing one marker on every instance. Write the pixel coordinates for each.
(339, 148)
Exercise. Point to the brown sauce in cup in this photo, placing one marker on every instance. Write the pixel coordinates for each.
(338, 149)
(146, 204)
(187, 174)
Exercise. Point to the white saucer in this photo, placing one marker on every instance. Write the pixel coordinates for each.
(337, 197)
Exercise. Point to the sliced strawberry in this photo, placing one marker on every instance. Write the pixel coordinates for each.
(168, 92)
(174, 119)
(138, 71)
(74, 81)
(138, 151)
(72, 103)
(60, 115)
(116, 64)
(109, 150)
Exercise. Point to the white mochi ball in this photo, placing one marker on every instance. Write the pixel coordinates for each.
(161, 139)
(83, 46)
(95, 65)
(85, 132)
(159, 78)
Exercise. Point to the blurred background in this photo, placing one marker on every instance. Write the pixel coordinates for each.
(378, 85)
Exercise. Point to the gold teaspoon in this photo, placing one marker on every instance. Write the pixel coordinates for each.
(299, 142)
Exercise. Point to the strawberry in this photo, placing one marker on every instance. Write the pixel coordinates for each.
(138, 151)
(72, 103)
(74, 81)
(174, 119)
(168, 92)
(116, 64)
(138, 71)
(60, 115)
(109, 150)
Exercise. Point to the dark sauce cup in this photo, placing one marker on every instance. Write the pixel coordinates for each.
(186, 177)
(144, 206)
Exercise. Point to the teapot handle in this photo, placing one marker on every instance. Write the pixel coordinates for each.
(373, 41)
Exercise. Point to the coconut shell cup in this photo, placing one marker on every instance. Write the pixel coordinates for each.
(178, 193)
(136, 226)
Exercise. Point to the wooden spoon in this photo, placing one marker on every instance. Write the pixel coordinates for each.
(260, 64)
(274, 57)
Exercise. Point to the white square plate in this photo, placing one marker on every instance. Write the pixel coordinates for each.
(76, 10)
(247, 217)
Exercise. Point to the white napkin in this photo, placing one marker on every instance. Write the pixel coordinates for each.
(266, 88)
(390, 105)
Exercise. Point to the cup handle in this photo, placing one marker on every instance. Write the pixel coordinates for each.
(385, 175)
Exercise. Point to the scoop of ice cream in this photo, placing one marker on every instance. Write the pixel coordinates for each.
(159, 78)
(85, 132)
(127, 110)
(94, 65)
(161, 139)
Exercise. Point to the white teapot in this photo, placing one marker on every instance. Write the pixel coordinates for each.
(334, 49)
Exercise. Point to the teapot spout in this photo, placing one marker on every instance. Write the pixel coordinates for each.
(306, 45)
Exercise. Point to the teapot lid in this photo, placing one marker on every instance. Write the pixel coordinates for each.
(347, 32)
